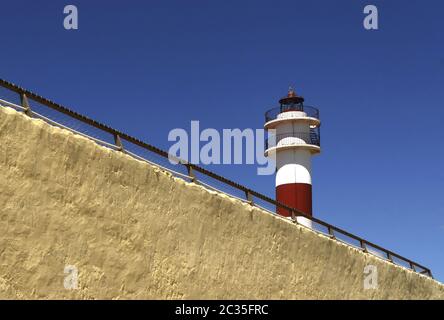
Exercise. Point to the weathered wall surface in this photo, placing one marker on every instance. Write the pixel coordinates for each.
(134, 231)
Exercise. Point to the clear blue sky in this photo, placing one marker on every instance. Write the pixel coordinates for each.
(146, 67)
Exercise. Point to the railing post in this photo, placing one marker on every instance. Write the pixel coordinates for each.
(363, 246)
(293, 217)
(412, 266)
(118, 142)
(389, 257)
(25, 104)
(191, 173)
(331, 232)
(249, 197)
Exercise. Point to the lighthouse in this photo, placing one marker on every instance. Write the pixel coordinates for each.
(294, 137)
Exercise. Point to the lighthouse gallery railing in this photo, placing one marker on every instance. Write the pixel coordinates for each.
(36, 106)
(273, 113)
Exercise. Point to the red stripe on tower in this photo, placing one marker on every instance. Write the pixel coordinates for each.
(294, 195)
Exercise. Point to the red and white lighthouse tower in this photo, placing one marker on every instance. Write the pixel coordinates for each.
(296, 140)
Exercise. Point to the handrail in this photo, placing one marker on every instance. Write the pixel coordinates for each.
(294, 138)
(249, 193)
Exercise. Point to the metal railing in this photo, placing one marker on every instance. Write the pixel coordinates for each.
(28, 102)
(294, 138)
(272, 114)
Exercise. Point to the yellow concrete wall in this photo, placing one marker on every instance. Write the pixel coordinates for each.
(134, 231)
